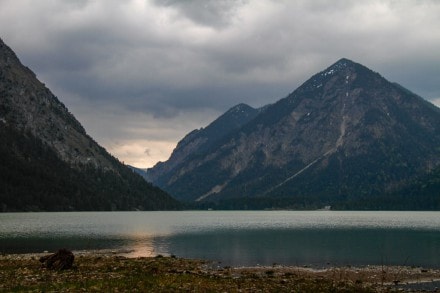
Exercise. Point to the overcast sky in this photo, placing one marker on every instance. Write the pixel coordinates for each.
(140, 74)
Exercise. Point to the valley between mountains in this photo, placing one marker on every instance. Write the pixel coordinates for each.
(346, 138)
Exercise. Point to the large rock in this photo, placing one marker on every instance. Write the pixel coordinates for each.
(61, 260)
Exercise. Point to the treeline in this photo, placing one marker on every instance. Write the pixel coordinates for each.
(33, 178)
(421, 193)
(396, 202)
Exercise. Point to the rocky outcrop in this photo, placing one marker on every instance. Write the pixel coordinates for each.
(28, 105)
(200, 140)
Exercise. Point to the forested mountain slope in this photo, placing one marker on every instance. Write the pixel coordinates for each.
(48, 162)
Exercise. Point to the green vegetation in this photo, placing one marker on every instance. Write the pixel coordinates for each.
(33, 178)
(165, 274)
(47, 160)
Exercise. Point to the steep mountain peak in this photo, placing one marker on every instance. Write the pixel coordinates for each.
(344, 75)
(200, 140)
(344, 62)
(345, 67)
(238, 112)
(48, 162)
(341, 65)
(346, 131)
(240, 107)
(338, 66)
(30, 106)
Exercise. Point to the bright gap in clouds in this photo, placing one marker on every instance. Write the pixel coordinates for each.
(136, 138)
(141, 153)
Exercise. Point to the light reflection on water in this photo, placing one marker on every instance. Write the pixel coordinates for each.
(236, 237)
(139, 246)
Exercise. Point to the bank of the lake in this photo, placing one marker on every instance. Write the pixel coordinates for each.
(111, 273)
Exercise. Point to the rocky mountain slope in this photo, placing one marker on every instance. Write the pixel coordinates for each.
(345, 136)
(48, 160)
(200, 140)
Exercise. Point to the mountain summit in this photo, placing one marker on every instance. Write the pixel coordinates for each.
(48, 162)
(201, 140)
(346, 135)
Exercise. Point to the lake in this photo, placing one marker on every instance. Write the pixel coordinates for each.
(248, 238)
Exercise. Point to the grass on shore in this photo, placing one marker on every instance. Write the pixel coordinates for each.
(168, 274)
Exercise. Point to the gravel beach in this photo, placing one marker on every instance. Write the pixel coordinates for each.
(110, 272)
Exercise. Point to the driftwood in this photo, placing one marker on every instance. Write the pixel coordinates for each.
(61, 260)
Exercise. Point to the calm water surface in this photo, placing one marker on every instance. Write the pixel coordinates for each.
(315, 238)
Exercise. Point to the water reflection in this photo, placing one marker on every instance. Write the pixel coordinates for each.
(139, 246)
(128, 245)
(312, 247)
(236, 238)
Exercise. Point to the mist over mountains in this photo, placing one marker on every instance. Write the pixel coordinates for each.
(346, 137)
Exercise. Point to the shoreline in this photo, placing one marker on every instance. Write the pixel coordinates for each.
(209, 273)
(133, 254)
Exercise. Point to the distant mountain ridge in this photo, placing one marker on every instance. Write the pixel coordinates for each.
(48, 160)
(345, 135)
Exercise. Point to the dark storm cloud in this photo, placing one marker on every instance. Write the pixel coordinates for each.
(167, 63)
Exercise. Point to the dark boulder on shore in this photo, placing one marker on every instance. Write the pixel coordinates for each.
(61, 260)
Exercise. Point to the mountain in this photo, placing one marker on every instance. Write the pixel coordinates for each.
(140, 171)
(201, 140)
(48, 162)
(345, 137)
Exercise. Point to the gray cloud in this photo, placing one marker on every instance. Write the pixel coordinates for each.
(182, 63)
(212, 13)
